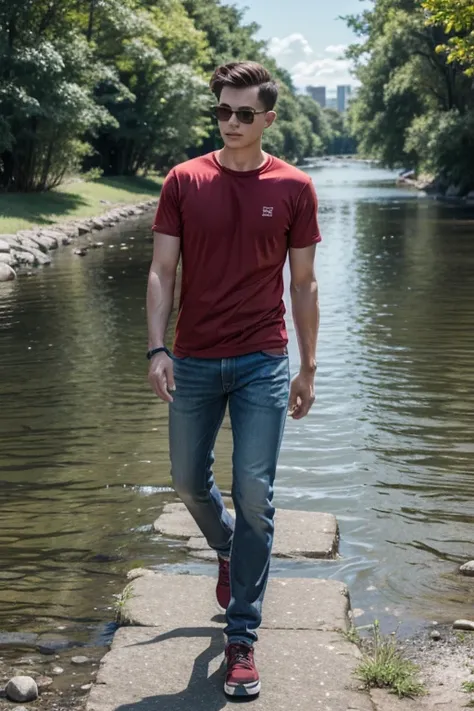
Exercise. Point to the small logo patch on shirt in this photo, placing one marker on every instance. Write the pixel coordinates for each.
(267, 212)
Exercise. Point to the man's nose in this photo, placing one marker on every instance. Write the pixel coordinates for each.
(234, 121)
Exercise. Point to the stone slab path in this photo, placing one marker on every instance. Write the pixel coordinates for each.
(169, 657)
(298, 534)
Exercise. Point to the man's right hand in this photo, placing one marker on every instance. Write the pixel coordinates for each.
(161, 377)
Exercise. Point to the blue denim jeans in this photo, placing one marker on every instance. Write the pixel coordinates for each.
(256, 388)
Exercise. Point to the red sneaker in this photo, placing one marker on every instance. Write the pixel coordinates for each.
(242, 677)
(223, 584)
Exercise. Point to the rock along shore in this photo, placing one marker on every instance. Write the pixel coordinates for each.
(31, 248)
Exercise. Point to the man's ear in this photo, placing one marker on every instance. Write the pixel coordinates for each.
(270, 117)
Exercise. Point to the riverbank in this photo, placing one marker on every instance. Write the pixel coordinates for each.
(31, 248)
(72, 201)
(434, 187)
(31, 225)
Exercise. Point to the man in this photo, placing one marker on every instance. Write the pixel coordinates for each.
(233, 216)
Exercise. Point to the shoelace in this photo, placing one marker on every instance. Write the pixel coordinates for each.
(240, 655)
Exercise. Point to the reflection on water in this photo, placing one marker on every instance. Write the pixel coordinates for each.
(388, 447)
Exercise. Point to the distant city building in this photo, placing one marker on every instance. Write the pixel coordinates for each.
(318, 93)
(343, 97)
(331, 103)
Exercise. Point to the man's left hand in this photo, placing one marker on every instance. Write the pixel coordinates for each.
(301, 395)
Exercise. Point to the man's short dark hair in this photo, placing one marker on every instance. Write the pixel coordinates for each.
(240, 75)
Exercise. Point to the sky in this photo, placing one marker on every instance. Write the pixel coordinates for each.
(306, 37)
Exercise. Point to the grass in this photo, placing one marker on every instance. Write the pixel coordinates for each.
(352, 635)
(120, 602)
(384, 666)
(468, 687)
(20, 211)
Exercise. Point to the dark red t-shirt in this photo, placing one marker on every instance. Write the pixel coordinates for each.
(235, 230)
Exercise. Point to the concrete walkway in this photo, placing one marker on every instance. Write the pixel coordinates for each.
(298, 534)
(169, 657)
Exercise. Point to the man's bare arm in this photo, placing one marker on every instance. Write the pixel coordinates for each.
(159, 302)
(305, 307)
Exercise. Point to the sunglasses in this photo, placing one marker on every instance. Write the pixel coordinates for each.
(224, 113)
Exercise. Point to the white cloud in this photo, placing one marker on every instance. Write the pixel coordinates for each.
(307, 67)
(336, 49)
(295, 43)
(326, 72)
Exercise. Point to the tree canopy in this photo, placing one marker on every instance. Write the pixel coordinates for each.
(457, 19)
(415, 106)
(121, 87)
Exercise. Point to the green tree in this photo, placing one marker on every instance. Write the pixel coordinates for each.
(122, 85)
(340, 139)
(411, 96)
(457, 19)
(46, 94)
(160, 99)
(320, 123)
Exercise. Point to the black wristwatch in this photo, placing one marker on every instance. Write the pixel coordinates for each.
(154, 351)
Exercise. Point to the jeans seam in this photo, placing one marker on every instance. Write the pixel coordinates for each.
(228, 386)
(216, 430)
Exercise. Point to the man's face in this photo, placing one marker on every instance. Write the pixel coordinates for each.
(236, 133)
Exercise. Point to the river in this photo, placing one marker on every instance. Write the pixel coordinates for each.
(388, 447)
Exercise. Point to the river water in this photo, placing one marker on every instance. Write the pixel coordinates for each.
(388, 447)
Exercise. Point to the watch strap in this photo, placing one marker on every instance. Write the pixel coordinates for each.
(155, 351)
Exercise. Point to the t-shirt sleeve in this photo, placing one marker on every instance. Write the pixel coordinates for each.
(168, 214)
(304, 230)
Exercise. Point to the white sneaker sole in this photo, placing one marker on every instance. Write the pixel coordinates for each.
(243, 689)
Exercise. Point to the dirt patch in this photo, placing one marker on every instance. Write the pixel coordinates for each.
(445, 665)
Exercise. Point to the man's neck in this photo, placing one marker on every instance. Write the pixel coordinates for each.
(244, 159)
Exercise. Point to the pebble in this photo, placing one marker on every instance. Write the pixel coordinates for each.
(42, 682)
(464, 625)
(467, 568)
(435, 635)
(57, 670)
(22, 688)
(80, 660)
(86, 687)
